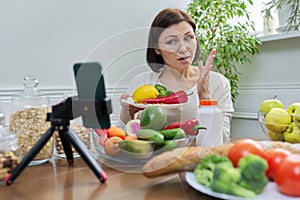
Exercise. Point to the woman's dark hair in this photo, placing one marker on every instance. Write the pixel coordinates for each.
(164, 19)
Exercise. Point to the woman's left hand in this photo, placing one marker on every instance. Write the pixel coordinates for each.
(202, 83)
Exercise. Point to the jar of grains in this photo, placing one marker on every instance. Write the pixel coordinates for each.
(10, 153)
(29, 119)
(82, 132)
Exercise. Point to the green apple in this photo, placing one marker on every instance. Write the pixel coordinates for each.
(268, 104)
(275, 136)
(154, 118)
(292, 134)
(294, 110)
(277, 119)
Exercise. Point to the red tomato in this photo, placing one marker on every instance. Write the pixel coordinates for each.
(288, 175)
(275, 157)
(243, 147)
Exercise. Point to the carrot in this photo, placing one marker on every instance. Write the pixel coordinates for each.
(130, 138)
(116, 131)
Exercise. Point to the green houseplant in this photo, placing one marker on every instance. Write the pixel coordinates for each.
(233, 41)
(288, 11)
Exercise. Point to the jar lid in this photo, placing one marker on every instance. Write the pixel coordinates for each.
(208, 102)
(30, 96)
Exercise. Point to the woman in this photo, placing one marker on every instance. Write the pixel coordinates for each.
(172, 48)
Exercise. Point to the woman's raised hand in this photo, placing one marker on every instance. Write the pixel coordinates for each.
(202, 83)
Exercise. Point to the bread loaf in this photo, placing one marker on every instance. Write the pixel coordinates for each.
(186, 158)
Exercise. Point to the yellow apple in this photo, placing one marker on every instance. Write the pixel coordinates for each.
(292, 134)
(294, 109)
(275, 136)
(277, 119)
(268, 104)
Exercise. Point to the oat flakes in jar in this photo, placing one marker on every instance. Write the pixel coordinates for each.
(10, 153)
(29, 119)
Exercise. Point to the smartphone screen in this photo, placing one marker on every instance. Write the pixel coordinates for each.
(90, 85)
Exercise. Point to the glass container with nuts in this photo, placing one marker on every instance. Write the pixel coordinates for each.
(82, 132)
(29, 119)
(10, 153)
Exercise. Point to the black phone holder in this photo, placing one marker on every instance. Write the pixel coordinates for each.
(60, 117)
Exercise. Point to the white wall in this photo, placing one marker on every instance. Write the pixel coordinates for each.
(45, 38)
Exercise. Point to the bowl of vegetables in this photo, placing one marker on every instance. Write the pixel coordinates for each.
(143, 138)
(115, 144)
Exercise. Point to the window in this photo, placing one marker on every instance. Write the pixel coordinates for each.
(257, 18)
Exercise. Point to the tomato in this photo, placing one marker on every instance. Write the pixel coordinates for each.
(243, 147)
(275, 157)
(288, 175)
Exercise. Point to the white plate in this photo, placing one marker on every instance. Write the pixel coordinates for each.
(142, 105)
(270, 191)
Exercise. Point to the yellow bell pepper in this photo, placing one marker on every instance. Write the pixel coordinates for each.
(144, 92)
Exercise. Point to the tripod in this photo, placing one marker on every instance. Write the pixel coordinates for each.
(60, 118)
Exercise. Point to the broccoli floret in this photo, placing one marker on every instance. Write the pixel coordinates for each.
(168, 92)
(253, 175)
(218, 173)
(162, 90)
(225, 180)
(205, 169)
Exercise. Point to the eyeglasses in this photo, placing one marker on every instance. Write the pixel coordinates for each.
(173, 44)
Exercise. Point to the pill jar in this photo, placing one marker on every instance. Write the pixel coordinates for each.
(29, 119)
(211, 117)
(10, 153)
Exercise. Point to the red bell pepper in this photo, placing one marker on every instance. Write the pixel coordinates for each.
(103, 134)
(173, 98)
(191, 126)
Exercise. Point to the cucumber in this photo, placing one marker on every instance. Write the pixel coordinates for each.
(137, 149)
(172, 134)
(150, 135)
(166, 146)
(136, 146)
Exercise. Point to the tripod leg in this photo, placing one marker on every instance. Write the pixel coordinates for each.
(66, 145)
(29, 156)
(86, 156)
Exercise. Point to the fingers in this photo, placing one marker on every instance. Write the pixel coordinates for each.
(200, 66)
(124, 97)
(204, 71)
(210, 59)
(213, 52)
(203, 91)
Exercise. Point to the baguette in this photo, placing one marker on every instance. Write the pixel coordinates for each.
(187, 158)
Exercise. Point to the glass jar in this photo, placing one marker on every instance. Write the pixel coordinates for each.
(2, 116)
(211, 117)
(29, 119)
(10, 153)
(82, 132)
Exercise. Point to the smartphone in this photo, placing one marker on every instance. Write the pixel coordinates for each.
(90, 85)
